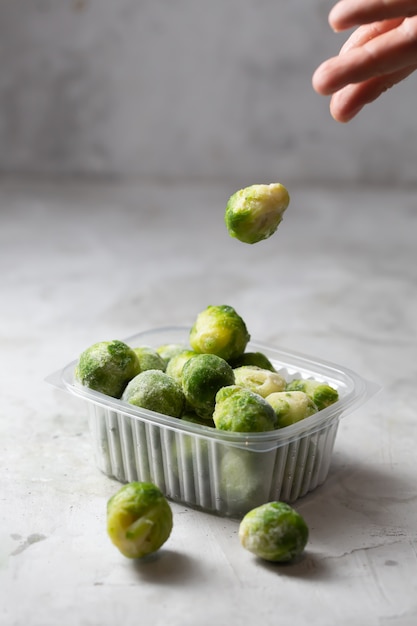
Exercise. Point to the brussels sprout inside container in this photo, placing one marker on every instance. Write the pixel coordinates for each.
(240, 410)
(149, 359)
(254, 213)
(253, 358)
(322, 394)
(156, 391)
(258, 380)
(274, 532)
(139, 519)
(291, 406)
(176, 364)
(107, 367)
(202, 377)
(219, 330)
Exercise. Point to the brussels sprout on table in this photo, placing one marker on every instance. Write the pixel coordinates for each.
(322, 394)
(156, 391)
(254, 213)
(139, 519)
(274, 531)
(219, 330)
(291, 406)
(202, 377)
(107, 366)
(263, 382)
(241, 410)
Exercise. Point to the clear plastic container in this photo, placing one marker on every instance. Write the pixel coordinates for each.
(220, 472)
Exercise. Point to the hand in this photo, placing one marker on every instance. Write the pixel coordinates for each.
(380, 53)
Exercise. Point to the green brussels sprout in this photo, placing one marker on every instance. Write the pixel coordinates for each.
(274, 531)
(156, 391)
(254, 213)
(291, 406)
(193, 418)
(242, 481)
(241, 410)
(107, 366)
(322, 394)
(219, 330)
(202, 376)
(263, 382)
(176, 363)
(149, 359)
(253, 358)
(168, 350)
(139, 519)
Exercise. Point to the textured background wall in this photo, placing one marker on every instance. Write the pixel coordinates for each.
(187, 89)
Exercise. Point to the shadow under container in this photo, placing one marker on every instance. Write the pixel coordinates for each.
(220, 472)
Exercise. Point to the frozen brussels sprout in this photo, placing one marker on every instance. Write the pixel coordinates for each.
(263, 382)
(291, 406)
(242, 483)
(219, 330)
(139, 519)
(177, 362)
(107, 366)
(254, 213)
(241, 410)
(202, 376)
(168, 350)
(274, 531)
(322, 394)
(156, 391)
(149, 359)
(253, 358)
(193, 418)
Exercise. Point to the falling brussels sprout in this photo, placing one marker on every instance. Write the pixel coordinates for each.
(202, 376)
(219, 330)
(241, 410)
(139, 519)
(254, 213)
(274, 532)
(107, 366)
(322, 394)
(263, 382)
(156, 391)
(291, 406)
(149, 359)
(253, 358)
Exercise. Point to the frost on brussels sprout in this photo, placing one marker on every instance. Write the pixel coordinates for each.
(219, 330)
(322, 394)
(107, 366)
(156, 391)
(241, 410)
(177, 362)
(263, 382)
(149, 359)
(168, 350)
(202, 376)
(274, 531)
(254, 213)
(242, 480)
(139, 519)
(253, 358)
(291, 406)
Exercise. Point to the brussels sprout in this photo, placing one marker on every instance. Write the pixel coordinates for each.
(254, 213)
(263, 382)
(107, 366)
(322, 394)
(274, 531)
(156, 391)
(241, 410)
(149, 359)
(242, 484)
(219, 330)
(177, 362)
(202, 376)
(291, 406)
(253, 358)
(139, 519)
(193, 418)
(168, 350)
